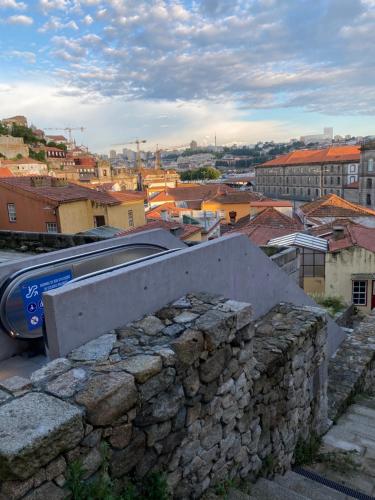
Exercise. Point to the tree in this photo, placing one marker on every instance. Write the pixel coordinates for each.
(40, 156)
(3, 129)
(202, 173)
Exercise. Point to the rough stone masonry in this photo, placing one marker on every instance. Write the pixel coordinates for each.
(197, 391)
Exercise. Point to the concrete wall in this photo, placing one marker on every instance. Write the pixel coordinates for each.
(231, 266)
(10, 347)
(288, 261)
(341, 266)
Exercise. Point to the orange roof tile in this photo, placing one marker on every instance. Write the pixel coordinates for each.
(231, 198)
(331, 154)
(332, 205)
(355, 235)
(198, 192)
(5, 172)
(271, 203)
(268, 224)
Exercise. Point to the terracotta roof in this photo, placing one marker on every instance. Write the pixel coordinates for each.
(187, 230)
(234, 197)
(56, 137)
(332, 154)
(271, 203)
(268, 224)
(58, 194)
(5, 172)
(125, 196)
(170, 207)
(354, 235)
(332, 205)
(198, 192)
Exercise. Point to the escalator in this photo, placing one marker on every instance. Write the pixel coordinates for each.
(21, 303)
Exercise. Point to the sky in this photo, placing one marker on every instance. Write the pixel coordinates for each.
(170, 71)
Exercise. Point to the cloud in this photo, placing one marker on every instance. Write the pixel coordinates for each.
(55, 24)
(47, 5)
(88, 20)
(12, 4)
(20, 19)
(29, 57)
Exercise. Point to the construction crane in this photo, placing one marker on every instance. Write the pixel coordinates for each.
(67, 129)
(138, 157)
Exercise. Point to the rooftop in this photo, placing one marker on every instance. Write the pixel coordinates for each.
(43, 187)
(182, 231)
(236, 197)
(198, 192)
(268, 224)
(332, 205)
(332, 154)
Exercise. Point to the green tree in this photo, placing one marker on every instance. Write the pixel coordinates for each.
(3, 129)
(40, 155)
(202, 173)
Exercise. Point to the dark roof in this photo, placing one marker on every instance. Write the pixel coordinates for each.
(185, 230)
(59, 194)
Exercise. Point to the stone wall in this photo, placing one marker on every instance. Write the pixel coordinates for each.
(352, 370)
(42, 242)
(197, 390)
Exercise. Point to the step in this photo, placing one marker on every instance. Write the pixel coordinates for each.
(311, 489)
(356, 480)
(264, 489)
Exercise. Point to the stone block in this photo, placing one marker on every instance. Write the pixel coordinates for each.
(123, 461)
(142, 367)
(36, 428)
(217, 326)
(55, 468)
(151, 325)
(96, 350)
(16, 385)
(186, 317)
(48, 491)
(67, 384)
(243, 311)
(108, 396)
(212, 368)
(157, 384)
(188, 346)
(52, 369)
(121, 436)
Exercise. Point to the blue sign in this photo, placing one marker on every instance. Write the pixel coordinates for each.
(32, 291)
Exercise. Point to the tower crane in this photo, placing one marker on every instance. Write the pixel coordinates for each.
(138, 157)
(162, 149)
(67, 129)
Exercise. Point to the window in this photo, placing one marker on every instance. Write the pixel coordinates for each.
(99, 220)
(131, 218)
(359, 293)
(352, 168)
(12, 216)
(51, 227)
(368, 199)
(370, 165)
(351, 179)
(313, 263)
(368, 183)
(316, 192)
(338, 181)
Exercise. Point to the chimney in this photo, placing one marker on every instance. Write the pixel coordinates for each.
(232, 217)
(338, 232)
(39, 181)
(164, 215)
(176, 231)
(59, 182)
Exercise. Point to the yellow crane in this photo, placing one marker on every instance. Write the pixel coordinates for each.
(138, 157)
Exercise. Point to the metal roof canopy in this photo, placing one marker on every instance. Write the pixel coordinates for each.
(300, 240)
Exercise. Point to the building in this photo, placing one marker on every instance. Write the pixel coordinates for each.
(266, 225)
(11, 147)
(57, 139)
(331, 208)
(349, 264)
(232, 205)
(15, 120)
(48, 204)
(367, 175)
(325, 137)
(25, 166)
(309, 174)
(190, 196)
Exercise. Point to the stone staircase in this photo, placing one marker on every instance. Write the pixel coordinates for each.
(291, 486)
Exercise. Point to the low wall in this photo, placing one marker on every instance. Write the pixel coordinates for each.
(196, 391)
(232, 266)
(352, 370)
(42, 242)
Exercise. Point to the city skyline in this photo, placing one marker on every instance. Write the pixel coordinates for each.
(171, 71)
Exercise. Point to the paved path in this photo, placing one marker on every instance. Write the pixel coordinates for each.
(355, 430)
